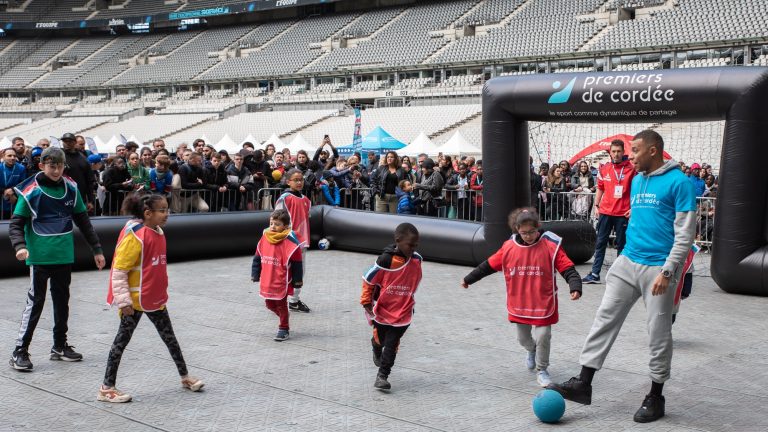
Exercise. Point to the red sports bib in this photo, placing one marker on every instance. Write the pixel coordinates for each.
(153, 279)
(298, 208)
(275, 277)
(397, 287)
(529, 273)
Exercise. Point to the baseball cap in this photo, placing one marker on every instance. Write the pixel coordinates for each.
(36, 151)
(68, 136)
(94, 158)
(52, 155)
(695, 166)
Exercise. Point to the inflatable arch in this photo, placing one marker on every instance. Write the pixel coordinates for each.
(740, 246)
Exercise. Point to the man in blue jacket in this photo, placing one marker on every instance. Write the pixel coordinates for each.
(11, 174)
(695, 178)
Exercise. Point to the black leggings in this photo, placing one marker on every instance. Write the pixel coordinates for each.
(162, 322)
(385, 341)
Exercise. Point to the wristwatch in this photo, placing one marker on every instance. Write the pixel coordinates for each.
(666, 273)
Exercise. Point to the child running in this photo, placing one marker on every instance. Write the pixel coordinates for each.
(528, 260)
(277, 266)
(388, 289)
(297, 205)
(139, 285)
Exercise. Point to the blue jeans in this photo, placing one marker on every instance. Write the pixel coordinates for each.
(606, 224)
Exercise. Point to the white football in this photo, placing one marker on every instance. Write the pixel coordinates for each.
(323, 244)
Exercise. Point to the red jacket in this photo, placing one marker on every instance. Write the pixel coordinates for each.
(615, 180)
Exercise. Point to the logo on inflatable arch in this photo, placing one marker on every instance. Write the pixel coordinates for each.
(561, 96)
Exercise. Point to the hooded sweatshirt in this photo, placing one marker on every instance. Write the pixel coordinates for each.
(663, 221)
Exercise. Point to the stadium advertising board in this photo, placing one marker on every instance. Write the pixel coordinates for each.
(249, 7)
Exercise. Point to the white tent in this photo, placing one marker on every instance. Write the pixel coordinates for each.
(5, 142)
(205, 139)
(421, 144)
(226, 143)
(100, 144)
(111, 145)
(275, 141)
(458, 145)
(299, 143)
(134, 139)
(251, 139)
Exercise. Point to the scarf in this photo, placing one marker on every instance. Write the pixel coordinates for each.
(276, 237)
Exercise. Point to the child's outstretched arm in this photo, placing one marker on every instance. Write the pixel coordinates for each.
(486, 268)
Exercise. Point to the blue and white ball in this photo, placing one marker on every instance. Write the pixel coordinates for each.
(549, 406)
(323, 244)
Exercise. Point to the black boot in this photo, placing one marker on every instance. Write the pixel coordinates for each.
(651, 410)
(575, 389)
(382, 383)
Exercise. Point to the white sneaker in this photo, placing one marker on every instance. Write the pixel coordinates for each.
(530, 360)
(542, 377)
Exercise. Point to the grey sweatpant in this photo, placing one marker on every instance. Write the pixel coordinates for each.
(539, 342)
(626, 282)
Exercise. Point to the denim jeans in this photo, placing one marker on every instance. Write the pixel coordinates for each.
(606, 224)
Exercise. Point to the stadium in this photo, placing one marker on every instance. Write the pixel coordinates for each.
(258, 88)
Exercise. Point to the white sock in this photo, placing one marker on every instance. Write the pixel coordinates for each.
(295, 297)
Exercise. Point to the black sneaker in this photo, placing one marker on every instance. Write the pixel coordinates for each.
(652, 409)
(65, 354)
(20, 360)
(574, 390)
(382, 383)
(298, 306)
(376, 359)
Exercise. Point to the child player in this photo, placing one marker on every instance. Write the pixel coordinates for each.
(277, 266)
(41, 233)
(298, 207)
(528, 261)
(388, 289)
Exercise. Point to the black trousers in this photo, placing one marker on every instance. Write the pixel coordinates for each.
(128, 324)
(385, 341)
(60, 276)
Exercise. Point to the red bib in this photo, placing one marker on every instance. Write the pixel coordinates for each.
(529, 272)
(298, 208)
(275, 258)
(153, 279)
(397, 286)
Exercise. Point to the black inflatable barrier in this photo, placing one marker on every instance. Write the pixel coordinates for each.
(207, 236)
(734, 94)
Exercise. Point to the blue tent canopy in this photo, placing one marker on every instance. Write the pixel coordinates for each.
(378, 140)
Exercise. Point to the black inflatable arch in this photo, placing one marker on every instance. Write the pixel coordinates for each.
(740, 246)
(737, 95)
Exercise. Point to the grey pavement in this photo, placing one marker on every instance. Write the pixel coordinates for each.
(459, 366)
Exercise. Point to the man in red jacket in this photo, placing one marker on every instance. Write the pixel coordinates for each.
(611, 205)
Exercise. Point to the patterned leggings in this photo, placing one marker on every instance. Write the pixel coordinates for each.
(162, 322)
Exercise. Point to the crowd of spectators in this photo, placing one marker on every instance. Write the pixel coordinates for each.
(198, 178)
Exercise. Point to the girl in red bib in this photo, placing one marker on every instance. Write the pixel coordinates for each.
(388, 289)
(298, 206)
(277, 266)
(529, 261)
(139, 285)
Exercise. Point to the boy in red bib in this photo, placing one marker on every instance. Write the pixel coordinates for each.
(277, 266)
(297, 205)
(529, 260)
(139, 285)
(388, 289)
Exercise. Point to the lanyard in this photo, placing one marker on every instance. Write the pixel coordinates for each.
(619, 178)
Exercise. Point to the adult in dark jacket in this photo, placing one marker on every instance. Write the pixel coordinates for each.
(117, 182)
(240, 183)
(387, 178)
(192, 177)
(217, 183)
(78, 169)
(430, 190)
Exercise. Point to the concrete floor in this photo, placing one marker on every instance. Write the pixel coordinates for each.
(459, 365)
